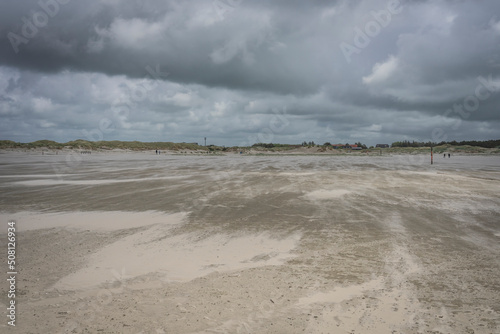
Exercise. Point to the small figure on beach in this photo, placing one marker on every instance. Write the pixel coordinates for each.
(449, 155)
(444, 155)
(156, 151)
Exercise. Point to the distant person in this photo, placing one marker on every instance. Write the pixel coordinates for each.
(156, 152)
(444, 155)
(449, 155)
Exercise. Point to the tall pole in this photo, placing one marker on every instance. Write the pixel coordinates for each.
(205, 141)
(432, 157)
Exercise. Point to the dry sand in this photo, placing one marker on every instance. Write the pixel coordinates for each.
(139, 243)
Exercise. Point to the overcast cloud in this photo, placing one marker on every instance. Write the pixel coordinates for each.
(246, 71)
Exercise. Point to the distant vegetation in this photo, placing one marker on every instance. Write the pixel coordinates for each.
(400, 146)
(102, 145)
(485, 144)
(275, 146)
(407, 143)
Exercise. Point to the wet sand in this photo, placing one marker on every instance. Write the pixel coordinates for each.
(140, 243)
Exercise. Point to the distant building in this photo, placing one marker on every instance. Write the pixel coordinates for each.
(382, 145)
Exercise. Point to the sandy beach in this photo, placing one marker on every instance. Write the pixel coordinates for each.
(145, 243)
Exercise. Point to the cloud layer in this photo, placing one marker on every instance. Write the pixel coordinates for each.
(239, 71)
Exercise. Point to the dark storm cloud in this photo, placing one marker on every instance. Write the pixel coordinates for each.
(195, 42)
(373, 69)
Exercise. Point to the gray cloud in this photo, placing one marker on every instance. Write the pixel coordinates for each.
(341, 71)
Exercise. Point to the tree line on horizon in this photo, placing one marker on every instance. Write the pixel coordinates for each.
(484, 143)
(404, 143)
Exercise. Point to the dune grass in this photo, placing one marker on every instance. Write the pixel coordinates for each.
(81, 144)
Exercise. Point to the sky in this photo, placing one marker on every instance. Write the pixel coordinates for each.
(240, 72)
